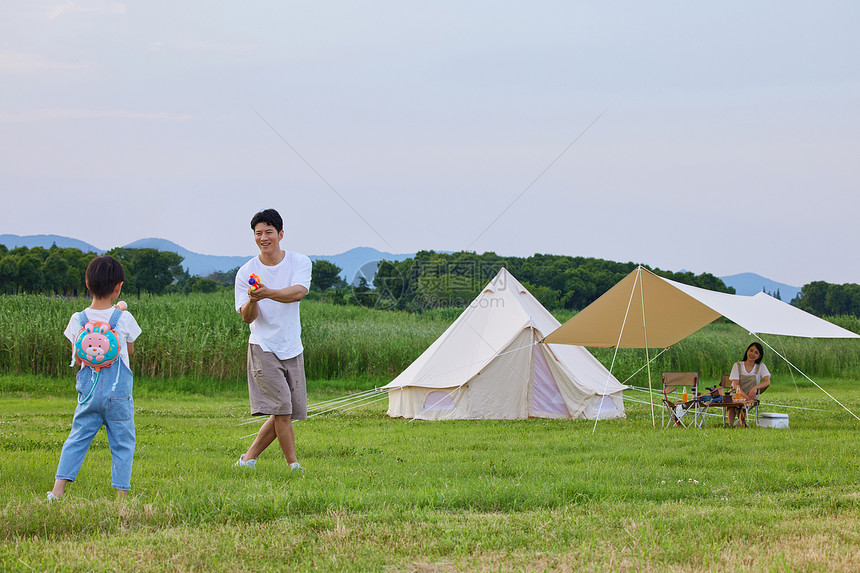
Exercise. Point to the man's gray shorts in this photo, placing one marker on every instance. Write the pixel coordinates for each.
(276, 387)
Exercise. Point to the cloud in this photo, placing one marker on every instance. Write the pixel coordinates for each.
(24, 62)
(91, 7)
(203, 46)
(74, 114)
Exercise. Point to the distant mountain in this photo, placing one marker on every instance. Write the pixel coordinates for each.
(355, 263)
(751, 283)
(197, 264)
(360, 262)
(46, 241)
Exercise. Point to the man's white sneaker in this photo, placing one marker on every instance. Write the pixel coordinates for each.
(52, 498)
(296, 467)
(250, 464)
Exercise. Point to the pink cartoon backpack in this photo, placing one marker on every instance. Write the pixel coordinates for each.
(97, 344)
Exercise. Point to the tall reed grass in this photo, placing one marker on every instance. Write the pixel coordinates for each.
(200, 335)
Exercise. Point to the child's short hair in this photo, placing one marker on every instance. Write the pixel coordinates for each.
(103, 274)
(270, 217)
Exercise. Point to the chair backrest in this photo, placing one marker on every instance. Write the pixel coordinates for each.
(725, 382)
(672, 380)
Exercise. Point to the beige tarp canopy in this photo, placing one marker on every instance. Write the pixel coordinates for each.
(647, 311)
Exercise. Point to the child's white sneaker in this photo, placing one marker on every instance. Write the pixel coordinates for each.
(52, 498)
(296, 467)
(250, 464)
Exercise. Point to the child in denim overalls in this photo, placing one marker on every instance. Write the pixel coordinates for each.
(104, 399)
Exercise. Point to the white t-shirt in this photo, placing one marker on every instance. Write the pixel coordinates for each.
(127, 329)
(277, 328)
(762, 372)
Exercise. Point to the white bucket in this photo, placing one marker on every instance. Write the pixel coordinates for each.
(772, 420)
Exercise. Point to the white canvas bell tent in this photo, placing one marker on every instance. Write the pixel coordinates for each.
(489, 364)
(644, 310)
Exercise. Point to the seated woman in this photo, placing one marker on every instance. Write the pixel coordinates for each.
(751, 374)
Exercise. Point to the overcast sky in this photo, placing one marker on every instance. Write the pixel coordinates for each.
(716, 137)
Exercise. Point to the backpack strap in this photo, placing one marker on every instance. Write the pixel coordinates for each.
(114, 318)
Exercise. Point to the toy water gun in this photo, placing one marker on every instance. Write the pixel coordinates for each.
(254, 281)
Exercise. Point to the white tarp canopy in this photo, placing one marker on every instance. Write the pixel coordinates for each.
(645, 310)
(489, 364)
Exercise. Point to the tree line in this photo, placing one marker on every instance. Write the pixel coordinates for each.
(452, 280)
(60, 271)
(427, 281)
(826, 299)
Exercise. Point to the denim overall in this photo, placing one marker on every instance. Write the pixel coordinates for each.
(109, 404)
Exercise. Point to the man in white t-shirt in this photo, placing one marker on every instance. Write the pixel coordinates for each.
(276, 373)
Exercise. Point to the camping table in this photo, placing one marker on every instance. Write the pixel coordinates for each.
(742, 415)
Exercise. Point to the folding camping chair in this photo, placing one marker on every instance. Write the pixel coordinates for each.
(675, 409)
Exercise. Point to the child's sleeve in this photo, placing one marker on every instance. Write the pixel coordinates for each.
(72, 328)
(132, 329)
(71, 332)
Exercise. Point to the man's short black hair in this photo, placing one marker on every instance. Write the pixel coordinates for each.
(270, 217)
(103, 274)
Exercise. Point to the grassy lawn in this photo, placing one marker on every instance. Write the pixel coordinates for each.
(392, 495)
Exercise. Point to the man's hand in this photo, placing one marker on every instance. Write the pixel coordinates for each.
(250, 310)
(259, 293)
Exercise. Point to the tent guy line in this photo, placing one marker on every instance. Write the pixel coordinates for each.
(645, 365)
(342, 198)
(805, 376)
(324, 405)
(367, 400)
(327, 405)
(535, 180)
(378, 396)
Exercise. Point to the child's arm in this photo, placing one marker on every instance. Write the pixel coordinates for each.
(130, 346)
(75, 354)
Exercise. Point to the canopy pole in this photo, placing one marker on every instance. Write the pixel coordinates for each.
(648, 361)
(617, 345)
(805, 376)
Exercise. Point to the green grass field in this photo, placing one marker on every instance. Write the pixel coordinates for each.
(386, 494)
(381, 494)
